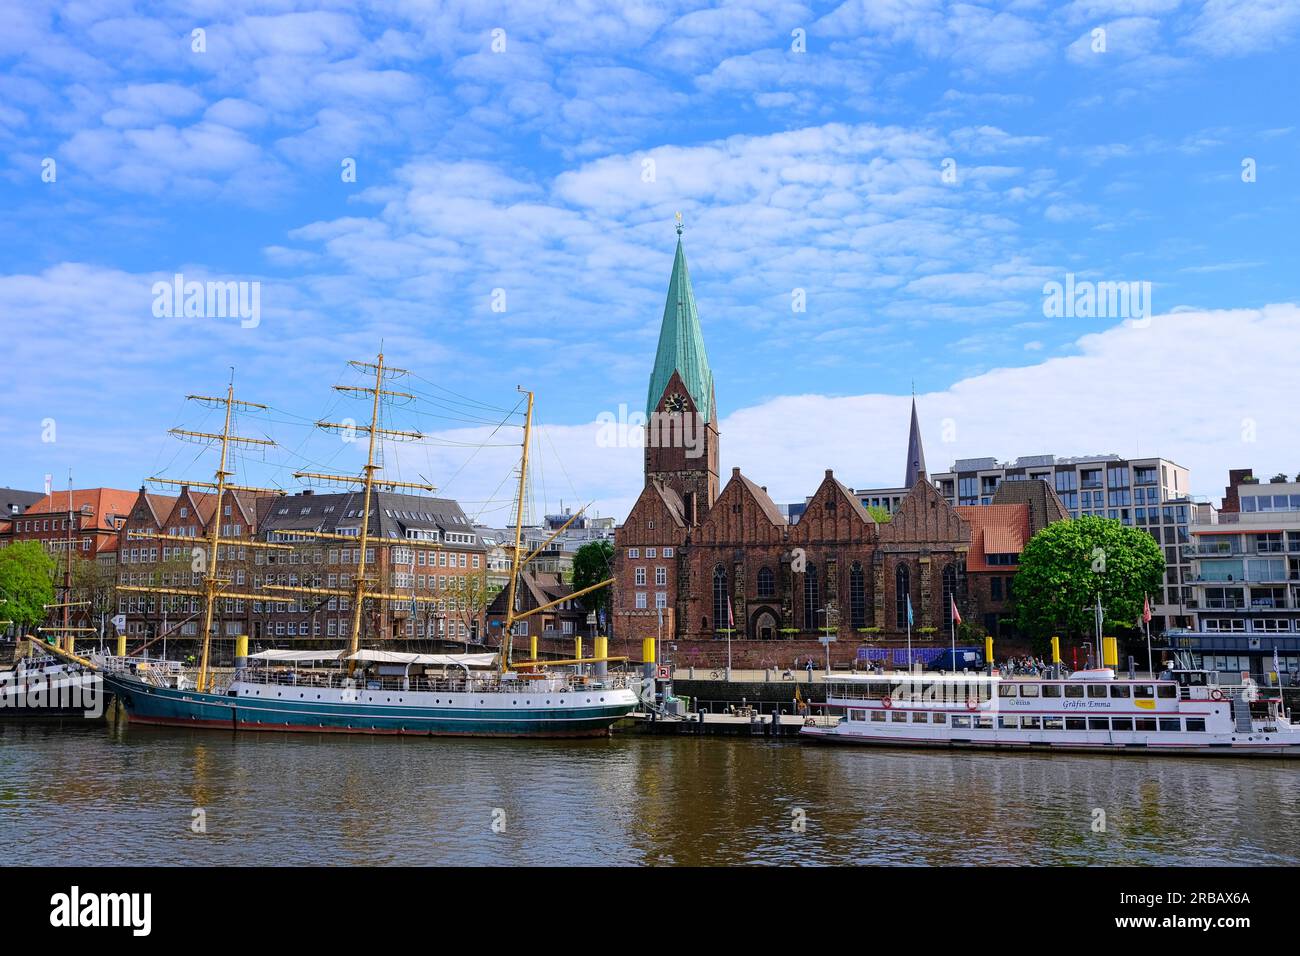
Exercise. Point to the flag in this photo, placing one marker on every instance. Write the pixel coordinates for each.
(956, 616)
(909, 610)
(731, 621)
(1146, 609)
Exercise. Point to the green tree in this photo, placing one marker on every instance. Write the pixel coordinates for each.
(1067, 564)
(26, 583)
(593, 563)
(879, 514)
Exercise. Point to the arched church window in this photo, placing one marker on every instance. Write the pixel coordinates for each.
(811, 597)
(719, 597)
(857, 596)
(902, 588)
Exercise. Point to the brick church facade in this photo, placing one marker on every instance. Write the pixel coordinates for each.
(702, 560)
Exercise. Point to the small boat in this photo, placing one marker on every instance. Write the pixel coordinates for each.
(43, 686)
(1183, 711)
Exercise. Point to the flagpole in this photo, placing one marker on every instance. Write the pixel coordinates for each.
(909, 632)
(1146, 619)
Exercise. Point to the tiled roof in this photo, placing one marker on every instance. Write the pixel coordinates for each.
(102, 503)
(994, 529)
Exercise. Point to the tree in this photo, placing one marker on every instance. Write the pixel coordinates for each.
(1067, 564)
(26, 583)
(878, 514)
(593, 563)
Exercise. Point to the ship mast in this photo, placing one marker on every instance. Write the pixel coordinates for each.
(67, 632)
(364, 588)
(508, 636)
(213, 585)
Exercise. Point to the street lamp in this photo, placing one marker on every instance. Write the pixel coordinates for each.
(828, 639)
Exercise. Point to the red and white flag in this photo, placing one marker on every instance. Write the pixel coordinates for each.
(956, 616)
(1146, 609)
(731, 621)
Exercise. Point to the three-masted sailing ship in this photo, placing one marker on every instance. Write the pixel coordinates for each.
(372, 690)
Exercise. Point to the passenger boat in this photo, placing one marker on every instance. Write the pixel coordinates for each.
(370, 690)
(1184, 711)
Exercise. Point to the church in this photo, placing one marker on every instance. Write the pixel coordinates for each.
(698, 562)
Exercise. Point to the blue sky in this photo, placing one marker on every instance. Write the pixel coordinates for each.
(525, 169)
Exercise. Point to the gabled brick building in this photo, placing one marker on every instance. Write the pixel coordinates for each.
(726, 562)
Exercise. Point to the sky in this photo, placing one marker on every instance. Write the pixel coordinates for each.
(875, 197)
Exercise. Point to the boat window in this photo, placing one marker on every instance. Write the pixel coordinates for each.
(1144, 691)
(1096, 690)
(1196, 724)
(1119, 690)
(1121, 723)
(920, 717)
(1098, 723)
(1073, 690)
(878, 716)
(1007, 723)
(1006, 690)
(857, 715)
(1053, 723)
(899, 716)
(1031, 723)
(1051, 690)
(960, 722)
(1145, 723)
(1170, 723)
(1028, 690)
(1075, 723)
(984, 723)
(1167, 691)
(939, 718)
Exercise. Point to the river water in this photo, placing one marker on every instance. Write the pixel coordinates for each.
(118, 794)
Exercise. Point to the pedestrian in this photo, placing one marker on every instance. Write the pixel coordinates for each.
(809, 665)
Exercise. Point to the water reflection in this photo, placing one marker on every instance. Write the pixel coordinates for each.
(122, 794)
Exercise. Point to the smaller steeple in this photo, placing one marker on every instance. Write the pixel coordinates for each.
(915, 451)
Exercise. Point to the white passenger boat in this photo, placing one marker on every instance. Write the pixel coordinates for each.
(1182, 712)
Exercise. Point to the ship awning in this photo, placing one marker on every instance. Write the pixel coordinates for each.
(277, 655)
(441, 660)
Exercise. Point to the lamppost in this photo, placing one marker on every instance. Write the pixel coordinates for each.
(828, 639)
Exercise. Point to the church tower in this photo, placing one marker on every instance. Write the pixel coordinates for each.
(915, 453)
(681, 450)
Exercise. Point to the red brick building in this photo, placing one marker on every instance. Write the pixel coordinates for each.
(728, 563)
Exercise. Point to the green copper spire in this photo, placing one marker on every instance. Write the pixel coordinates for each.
(681, 344)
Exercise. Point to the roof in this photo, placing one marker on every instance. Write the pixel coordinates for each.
(765, 502)
(1045, 505)
(100, 502)
(994, 529)
(681, 344)
(392, 515)
(915, 450)
(13, 501)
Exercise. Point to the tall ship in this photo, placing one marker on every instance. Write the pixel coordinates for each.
(375, 689)
(1184, 711)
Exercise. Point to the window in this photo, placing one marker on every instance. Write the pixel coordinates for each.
(960, 722)
(878, 716)
(857, 596)
(949, 593)
(1170, 723)
(1098, 723)
(1096, 690)
(640, 599)
(650, 552)
(1167, 691)
(668, 552)
(1196, 725)
(1073, 690)
(1031, 723)
(1006, 690)
(1075, 723)
(1051, 690)
(939, 718)
(898, 716)
(634, 552)
(920, 717)
(661, 599)
(1119, 690)
(902, 588)
(640, 577)
(1121, 723)
(1053, 723)
(811, 597)
(1029, 690)
(661, 576)
(1145, 723)
(720, 606)
(766, 583)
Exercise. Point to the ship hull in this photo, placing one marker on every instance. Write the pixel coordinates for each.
(63, 697)
(496, 716)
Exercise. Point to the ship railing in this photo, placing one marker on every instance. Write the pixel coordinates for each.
(451, 685)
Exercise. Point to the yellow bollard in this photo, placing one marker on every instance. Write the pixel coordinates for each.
(577, 648)
(988, 648)
(1056, 649)
(1110, 652)
(602, 647)
(648, 650)
(121, 645)
(241, 646)
(532, 648)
